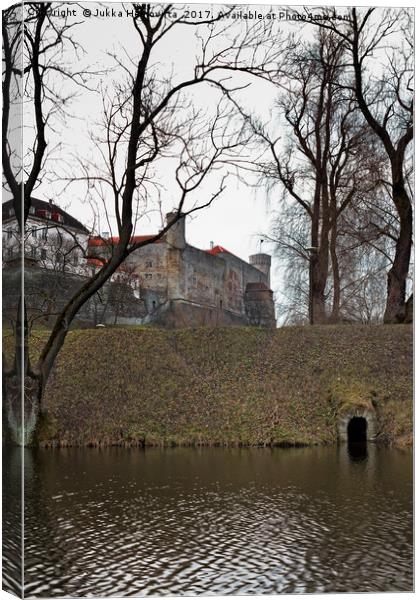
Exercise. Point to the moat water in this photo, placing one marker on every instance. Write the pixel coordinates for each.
(212, 521)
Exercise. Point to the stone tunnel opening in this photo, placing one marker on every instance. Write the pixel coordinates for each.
(357, 430)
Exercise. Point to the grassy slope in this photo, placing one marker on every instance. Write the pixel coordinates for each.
(227, 386)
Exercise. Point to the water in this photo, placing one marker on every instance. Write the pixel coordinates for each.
(217, 521)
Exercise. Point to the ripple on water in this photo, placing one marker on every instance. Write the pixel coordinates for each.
(217, 522)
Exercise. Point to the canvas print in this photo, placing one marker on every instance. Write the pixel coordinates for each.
(207, 299)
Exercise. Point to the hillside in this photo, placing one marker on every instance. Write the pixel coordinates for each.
(226, 386)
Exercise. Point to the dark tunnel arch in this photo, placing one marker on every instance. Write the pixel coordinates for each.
(357, 430)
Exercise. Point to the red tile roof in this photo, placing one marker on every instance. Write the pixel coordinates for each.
(217, 250)
(95, 262)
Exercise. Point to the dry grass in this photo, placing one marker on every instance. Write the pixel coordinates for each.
(226, 385)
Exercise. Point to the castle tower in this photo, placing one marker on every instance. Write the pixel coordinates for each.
(175, 237)
(262, 262)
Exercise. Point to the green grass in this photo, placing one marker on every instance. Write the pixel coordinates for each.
(226, 386)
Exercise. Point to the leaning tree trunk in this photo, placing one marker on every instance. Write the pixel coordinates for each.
(395, 311)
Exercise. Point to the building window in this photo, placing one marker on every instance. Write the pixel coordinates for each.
(34, 232)
(154, 304)
(43, 254)
(33, 252)
(43, 233)
(48, 214)
(9, 234)
(75, 260)
(11, 212)
(10, 253)
(32, 210)
(221, 303)
(149, 264)
(148, 276)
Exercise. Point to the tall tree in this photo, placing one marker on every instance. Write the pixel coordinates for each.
(385, 98)
(326, 164)
(149, 118)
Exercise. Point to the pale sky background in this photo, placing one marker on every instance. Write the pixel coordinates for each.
(236, 219)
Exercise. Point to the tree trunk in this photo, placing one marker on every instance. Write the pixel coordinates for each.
(409, 310)
(20, 411)
(318, 307)
(320, 262)
(397, 276)
(335, 312)
(319, 280)
(21, 407)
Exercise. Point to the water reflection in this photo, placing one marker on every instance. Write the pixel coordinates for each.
(358, 451)
(217, 521)
(12, 520)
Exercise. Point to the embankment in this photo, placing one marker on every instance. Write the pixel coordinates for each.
(227, 386)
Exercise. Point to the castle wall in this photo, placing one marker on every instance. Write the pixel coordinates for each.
(215, 281)
(183, 285)
(150, 263)
(238, 274)
(203, 277)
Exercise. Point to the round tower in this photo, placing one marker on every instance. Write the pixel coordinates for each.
(262, 262)
(175, 236)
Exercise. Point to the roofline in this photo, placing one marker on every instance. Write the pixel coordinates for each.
(78, 226)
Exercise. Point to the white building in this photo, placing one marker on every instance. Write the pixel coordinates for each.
(54, 240)
(57, 242)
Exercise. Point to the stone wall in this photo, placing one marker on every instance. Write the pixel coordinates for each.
(215, 284)
(47, 292)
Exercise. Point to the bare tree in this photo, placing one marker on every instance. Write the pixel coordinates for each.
(328, 163)
(148, 119)
(33, 70)
(385, 98)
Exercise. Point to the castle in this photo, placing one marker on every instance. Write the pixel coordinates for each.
(168, 282)
(185, 286)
